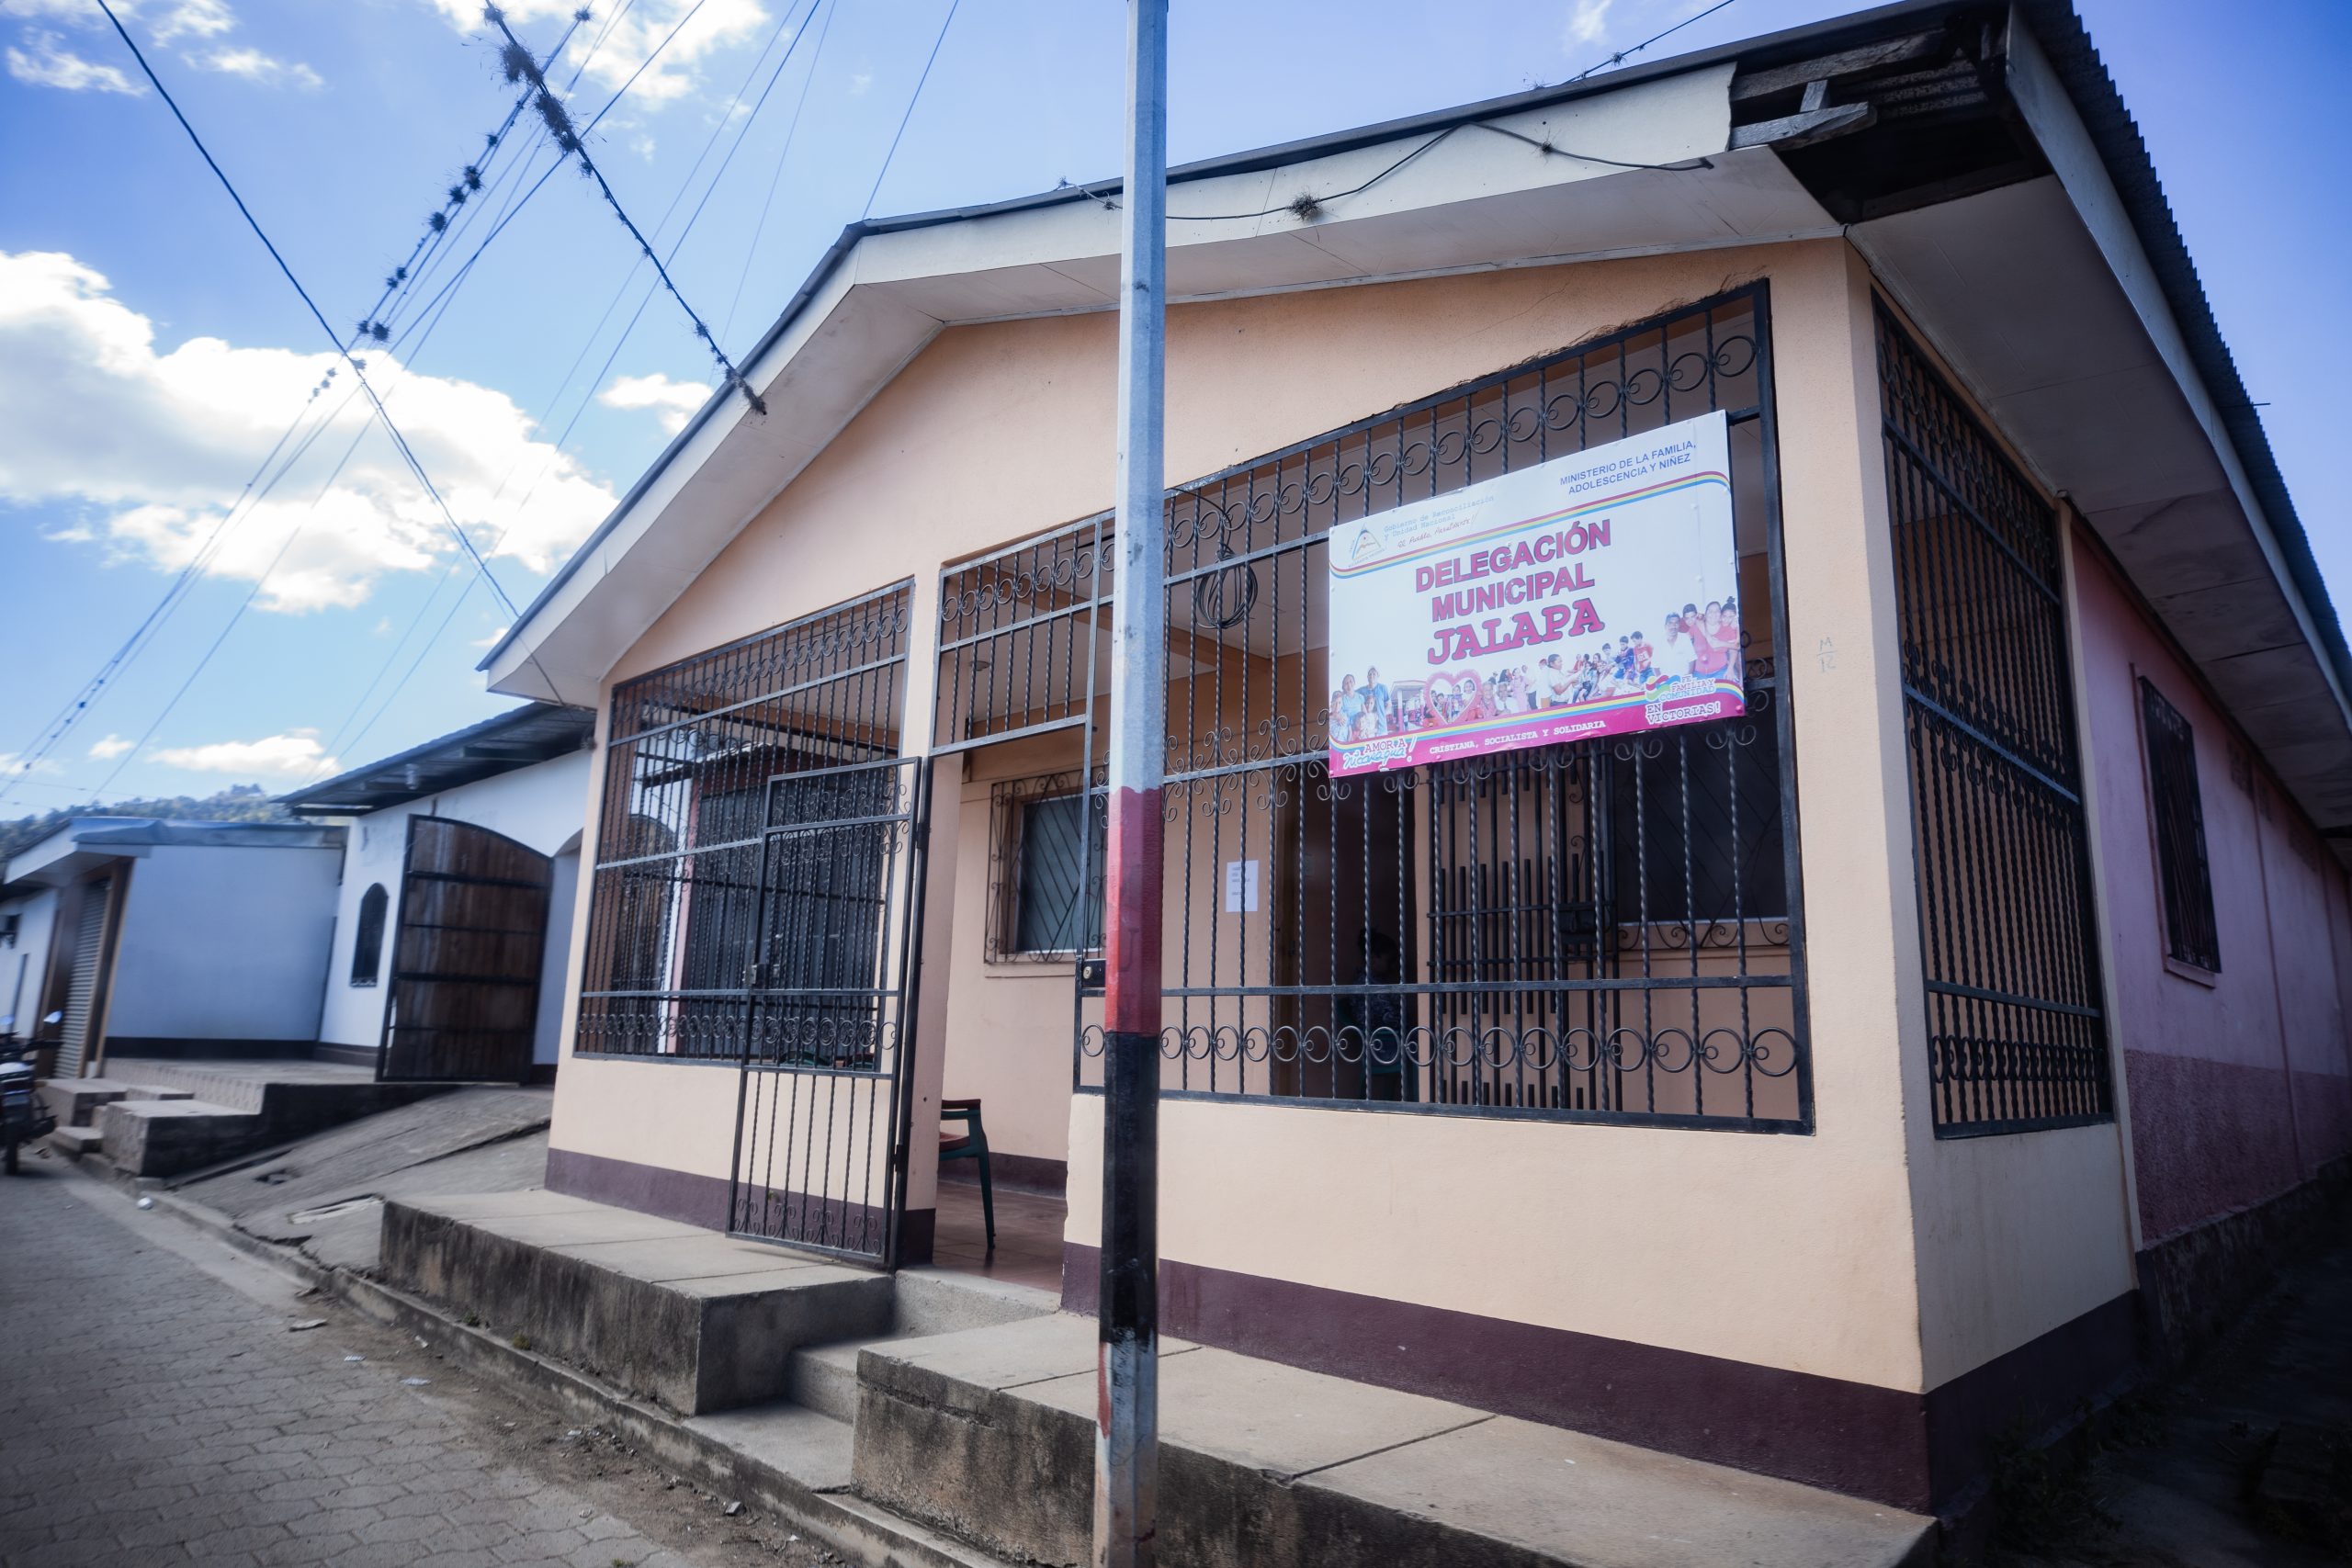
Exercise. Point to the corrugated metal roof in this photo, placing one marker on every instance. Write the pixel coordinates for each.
(2053, 24)
(520, 737)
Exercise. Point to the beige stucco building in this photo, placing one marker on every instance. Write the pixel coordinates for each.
(1819, 1091)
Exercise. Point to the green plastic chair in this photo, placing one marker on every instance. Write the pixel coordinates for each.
(972, 1143)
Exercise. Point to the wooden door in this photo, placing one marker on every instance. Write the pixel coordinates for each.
(464, 995)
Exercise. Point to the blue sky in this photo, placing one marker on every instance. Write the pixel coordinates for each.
(150, 354)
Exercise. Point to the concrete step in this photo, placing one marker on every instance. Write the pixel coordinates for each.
(812, 1448)
(291, 1097)
(236, 1087)
(696, 1321)
(939, 1300)
(165, 1137)
(75, 1101)
(1263, 1464)
(823, 1378)
(75, 1142)
(925, 1301)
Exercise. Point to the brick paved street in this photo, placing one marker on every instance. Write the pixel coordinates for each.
(155, 1409)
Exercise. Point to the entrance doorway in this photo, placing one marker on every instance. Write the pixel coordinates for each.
(820, 1156)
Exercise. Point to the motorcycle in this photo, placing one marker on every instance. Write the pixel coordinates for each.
(23, 1117)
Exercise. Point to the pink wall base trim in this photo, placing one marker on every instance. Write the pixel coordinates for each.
(2207, 1138)
(2324, 1115)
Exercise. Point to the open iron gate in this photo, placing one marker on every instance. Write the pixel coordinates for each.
(464, 998)
(820, 1121)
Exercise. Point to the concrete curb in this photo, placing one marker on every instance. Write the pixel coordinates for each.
(856, 1530)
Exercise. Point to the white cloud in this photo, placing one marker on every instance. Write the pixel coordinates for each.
(182, 25)
(673, 403)
(157, 447)
(254, 66)
(13, 765)
(631, 37)
(108, 748)
(81, 13)
(47, 62)
(192, 18)
(294, 755)
(859, 82)
(1588, 24)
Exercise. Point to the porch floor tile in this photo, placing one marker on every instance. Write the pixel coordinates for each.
(1028, 1236)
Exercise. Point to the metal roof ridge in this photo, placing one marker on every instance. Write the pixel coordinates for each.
(1246, 161)
(2056, 27)
(457, 738)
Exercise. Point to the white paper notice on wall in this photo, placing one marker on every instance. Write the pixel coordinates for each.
(1241, 887)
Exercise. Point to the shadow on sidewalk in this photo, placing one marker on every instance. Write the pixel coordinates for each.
(2242, 1461)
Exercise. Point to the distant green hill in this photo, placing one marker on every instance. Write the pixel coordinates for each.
(238, 803)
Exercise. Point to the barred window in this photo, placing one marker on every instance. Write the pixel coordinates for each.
(2017, 1038)
(1609, 928)
(2191, 935)
(675, 914)
(367, 936)
(1047, 850)
(1729, 864)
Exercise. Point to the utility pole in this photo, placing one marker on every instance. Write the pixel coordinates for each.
(1126, 1436)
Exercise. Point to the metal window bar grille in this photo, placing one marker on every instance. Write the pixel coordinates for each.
(1019, 635)
(1605, 930)
(675, 909)
(2017, 1038)
(1044, 883)
(2191, 935)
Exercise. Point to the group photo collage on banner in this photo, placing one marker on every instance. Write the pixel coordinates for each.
(1592, 594)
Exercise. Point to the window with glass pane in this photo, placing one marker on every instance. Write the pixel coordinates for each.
(1051, 910)
(2191, 934)
(368, 940)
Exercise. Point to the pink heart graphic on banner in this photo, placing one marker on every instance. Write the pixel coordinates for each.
(1444, 693)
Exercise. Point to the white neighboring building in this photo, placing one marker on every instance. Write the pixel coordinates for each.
(28, 920)
(524, 776)
(155, 937)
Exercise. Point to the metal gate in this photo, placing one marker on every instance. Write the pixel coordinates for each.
(820, 1119)
(464, 998)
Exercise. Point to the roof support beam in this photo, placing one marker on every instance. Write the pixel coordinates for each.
(1833, 67)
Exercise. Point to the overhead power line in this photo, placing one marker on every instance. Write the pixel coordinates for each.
(358, 368)
(465, 200)
(1624, 54)
(727, 327)
(930, 60)
(342, 350)
(468, 184)
(520, 63)
(345, 733)
(742, 130)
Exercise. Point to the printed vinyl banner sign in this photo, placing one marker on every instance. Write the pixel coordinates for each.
(1589, 595)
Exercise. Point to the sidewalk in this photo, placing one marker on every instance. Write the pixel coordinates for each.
(2225, 1469)
(325, 1194)
(922, 1411)
(157, 1410)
